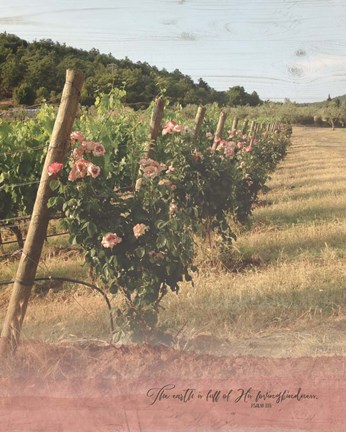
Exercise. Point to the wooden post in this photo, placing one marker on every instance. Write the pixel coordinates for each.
(198, 122)
(245, 125)
(37, 231)
(235, 124)
(252, 127)
(220, 127)
(257, 129)
(155, 126)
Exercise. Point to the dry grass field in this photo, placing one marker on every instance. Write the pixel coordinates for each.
(279, 292)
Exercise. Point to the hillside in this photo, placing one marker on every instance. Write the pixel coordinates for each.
(36, 71)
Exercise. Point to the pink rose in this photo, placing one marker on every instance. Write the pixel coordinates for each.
(78, 153)
(165, 182)
(77, 136)
(98, 150)
(209, 135)
(82, 167)
(180, 128)
(168, 127)
(74, 174)
(88, 146)
(54, 168)
(150, 167)
(151, 171)
(110, 240)
(171, 127)
(140, 229)
(229, 151)
(93, 170)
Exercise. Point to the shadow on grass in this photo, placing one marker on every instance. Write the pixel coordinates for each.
(263, 253)
(295, 195)
(313, 213)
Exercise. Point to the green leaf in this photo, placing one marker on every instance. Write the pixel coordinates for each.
(54, 184)
(161, 224)
(52, 202)
(140, 252)
(161, 241)
(91, 229)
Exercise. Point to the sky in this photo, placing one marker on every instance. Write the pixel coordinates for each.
(293, 49)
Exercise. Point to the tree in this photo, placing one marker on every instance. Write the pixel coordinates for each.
(333, 114)
(24, 94)
(254, 99)
(236, 96)
(12, 72)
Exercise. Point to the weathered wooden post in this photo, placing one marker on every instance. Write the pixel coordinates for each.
(252, 128)
(235, 124)
(37, 231)
(155, 126)
(220, 127)
(257, 129)
(198, 122)
(245, 125)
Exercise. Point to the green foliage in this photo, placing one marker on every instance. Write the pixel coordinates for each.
(24, 94)
(23, 149)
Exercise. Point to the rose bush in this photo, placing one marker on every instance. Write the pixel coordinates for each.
(139, 243)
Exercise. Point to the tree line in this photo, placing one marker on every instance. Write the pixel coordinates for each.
(34, 71)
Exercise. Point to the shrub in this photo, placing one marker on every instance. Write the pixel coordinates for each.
(24, 94)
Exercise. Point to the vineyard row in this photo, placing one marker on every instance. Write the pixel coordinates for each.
(190, 178)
